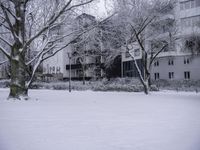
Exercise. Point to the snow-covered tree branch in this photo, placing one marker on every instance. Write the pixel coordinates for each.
(143, 21)
(28, 25)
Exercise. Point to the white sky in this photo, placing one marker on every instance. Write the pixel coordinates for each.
(101, 9)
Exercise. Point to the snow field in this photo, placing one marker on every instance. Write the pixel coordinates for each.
(100, 121)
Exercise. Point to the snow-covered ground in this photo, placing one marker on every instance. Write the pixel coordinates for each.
(57, 120)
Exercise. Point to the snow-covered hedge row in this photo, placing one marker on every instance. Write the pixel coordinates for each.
(120, 84)
(4, 83)
(76, 85)
(181, 85)
(117, 87)
(117, 84)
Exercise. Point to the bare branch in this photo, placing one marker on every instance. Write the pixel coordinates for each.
(136, 65)
(3, 62)
(154, 57)
(11, 13)
(38, 54)
(5, 52)
(144, 26)
(8, 20)
(139, 40)
(53, 19)
(5, 41)
(2, 24)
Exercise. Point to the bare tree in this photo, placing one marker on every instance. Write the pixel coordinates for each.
(191, 43)
(26, 24)
(85, 47)
(3, 62)
(142, 20)
(94, 44)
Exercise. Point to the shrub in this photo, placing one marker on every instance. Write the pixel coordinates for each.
(115, 84)
(4, 83)
(121, 84)
(178, 85)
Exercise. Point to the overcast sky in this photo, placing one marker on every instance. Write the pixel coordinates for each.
(101, 9)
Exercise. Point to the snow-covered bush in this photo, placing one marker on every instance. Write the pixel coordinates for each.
(120, 84)
(115, 84)
(117, 87)
(178, 85)
(76, 85)
(4, 83)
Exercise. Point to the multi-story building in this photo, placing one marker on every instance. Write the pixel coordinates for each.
(181, 60)
(3, 67)
(76, 59)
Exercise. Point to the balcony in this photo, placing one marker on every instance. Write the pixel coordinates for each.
(79, 66)
(74, 66)
(167, 18)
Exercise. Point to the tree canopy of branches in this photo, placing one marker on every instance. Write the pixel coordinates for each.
(142, 21)
(27, 36)
(192, 44)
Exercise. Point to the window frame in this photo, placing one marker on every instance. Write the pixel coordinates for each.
(171, 62)
(156, 63)
(187, 75)
(171, 75)
(156, 76)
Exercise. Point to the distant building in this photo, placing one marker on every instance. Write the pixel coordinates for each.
(53, 68)
(3, 67)
(182, 60)
(58, 66)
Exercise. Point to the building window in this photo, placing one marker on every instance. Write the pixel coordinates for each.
(44, 69)
(127, 54)
(197, 3)
(129, 74)
(156, 63)
(53, 69)
(79, 73)
(187, 75)
(156, 76)
(170, 62)
(137, 52)
(171, 75)
(129, 65)
(98, 60)
(192, 3)
(50, 70)
(57, 69)
(190, 21)
(186, 60)
(189, 4)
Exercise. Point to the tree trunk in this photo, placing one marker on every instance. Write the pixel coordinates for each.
(18, 78)
(146, 73)
(84, 75)
(146, 88)
(17, 84)
(18, 87)
(150, 82)
(147, 82)
(144, 79)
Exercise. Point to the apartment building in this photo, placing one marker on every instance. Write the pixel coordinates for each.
(74, 60)
(181, 60)
(3, 67)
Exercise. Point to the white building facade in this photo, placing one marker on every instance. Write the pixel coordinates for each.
(3, 67)
(180, 62)
(66, 63)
